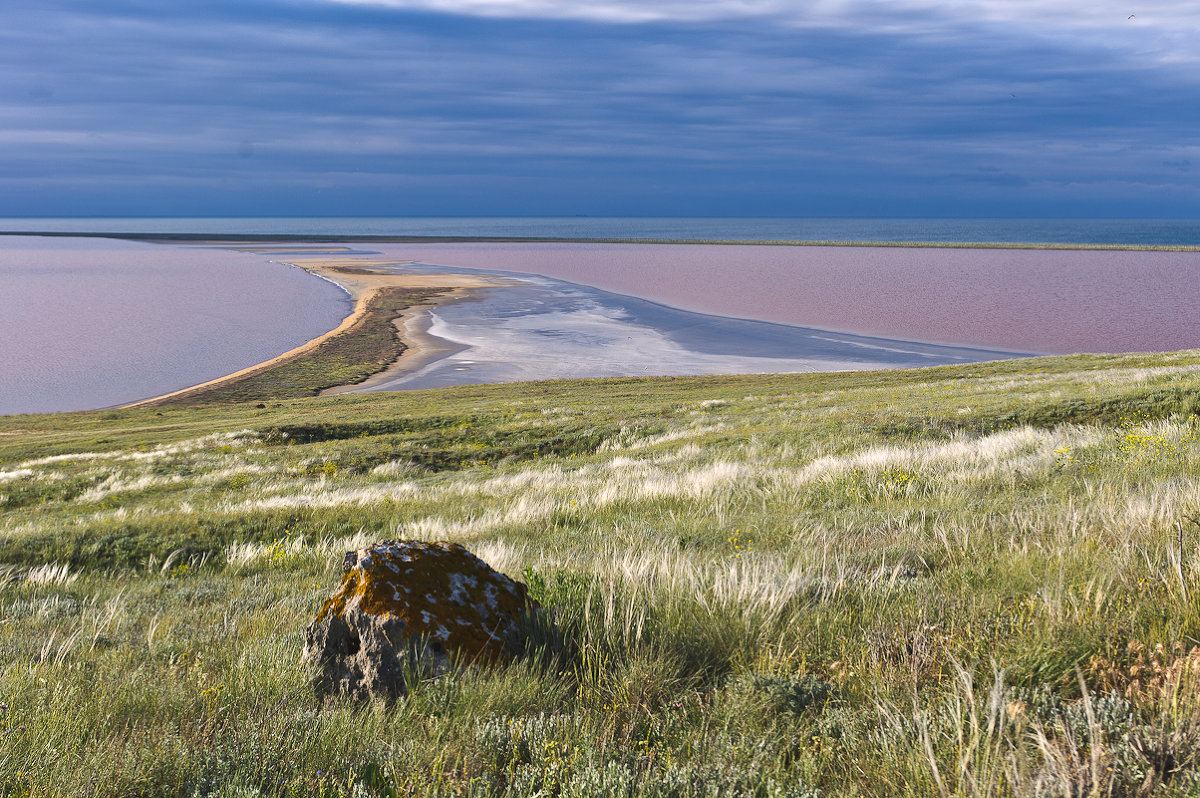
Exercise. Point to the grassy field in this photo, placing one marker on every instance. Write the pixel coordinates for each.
(979, 580)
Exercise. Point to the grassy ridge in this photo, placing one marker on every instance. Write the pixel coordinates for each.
(968, 580)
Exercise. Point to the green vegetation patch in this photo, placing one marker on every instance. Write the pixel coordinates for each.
(978, 580)
(439, 443)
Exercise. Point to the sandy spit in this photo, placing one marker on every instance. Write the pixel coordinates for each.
(354, 275)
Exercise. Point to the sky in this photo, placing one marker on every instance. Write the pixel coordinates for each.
(1089, 108)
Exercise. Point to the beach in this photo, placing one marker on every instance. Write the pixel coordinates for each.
(492, 325)
(540, 328)
(422, 348)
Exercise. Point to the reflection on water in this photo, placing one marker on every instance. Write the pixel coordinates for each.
(88, 323)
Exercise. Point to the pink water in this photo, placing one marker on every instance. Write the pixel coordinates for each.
(88, 323)
(1022, 300)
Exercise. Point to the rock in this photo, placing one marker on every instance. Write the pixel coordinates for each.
(407, 609)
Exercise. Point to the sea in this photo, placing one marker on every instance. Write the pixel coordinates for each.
(89, 322)
(1136, 232)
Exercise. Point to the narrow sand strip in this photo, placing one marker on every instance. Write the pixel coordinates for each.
(362, 286)
(422, 350)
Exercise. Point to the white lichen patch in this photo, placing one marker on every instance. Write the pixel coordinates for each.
(442, 592)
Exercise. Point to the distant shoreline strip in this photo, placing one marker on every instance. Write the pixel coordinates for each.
(240, 238)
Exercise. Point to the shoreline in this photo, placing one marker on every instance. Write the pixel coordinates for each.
(419, 350)
(365, 275)
(390, 345)
(234, 239)
(422, 348)
(353, 277)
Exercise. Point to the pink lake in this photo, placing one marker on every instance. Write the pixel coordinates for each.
(1050, 301)
(91, 322)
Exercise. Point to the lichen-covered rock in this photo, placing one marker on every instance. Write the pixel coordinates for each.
(406, 609)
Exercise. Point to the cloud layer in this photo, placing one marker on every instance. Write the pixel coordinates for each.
(527, 107)
(859, 13)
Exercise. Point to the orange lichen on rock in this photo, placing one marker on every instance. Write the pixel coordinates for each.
(407, 608)
(440, 591)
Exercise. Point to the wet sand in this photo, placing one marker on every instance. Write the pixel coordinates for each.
(514, 312)
(422, 349)
(361, 277)
(498, 326)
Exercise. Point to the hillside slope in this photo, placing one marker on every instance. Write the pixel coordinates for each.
(969, 580)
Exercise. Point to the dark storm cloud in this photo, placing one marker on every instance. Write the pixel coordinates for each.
(281, 108)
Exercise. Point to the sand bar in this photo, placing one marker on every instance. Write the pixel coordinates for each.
(422, 348)
(548, 329)
(354, 275)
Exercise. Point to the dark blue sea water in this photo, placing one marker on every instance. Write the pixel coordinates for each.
(1159, 232)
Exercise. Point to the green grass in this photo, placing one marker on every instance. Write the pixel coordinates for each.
(947, 581)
